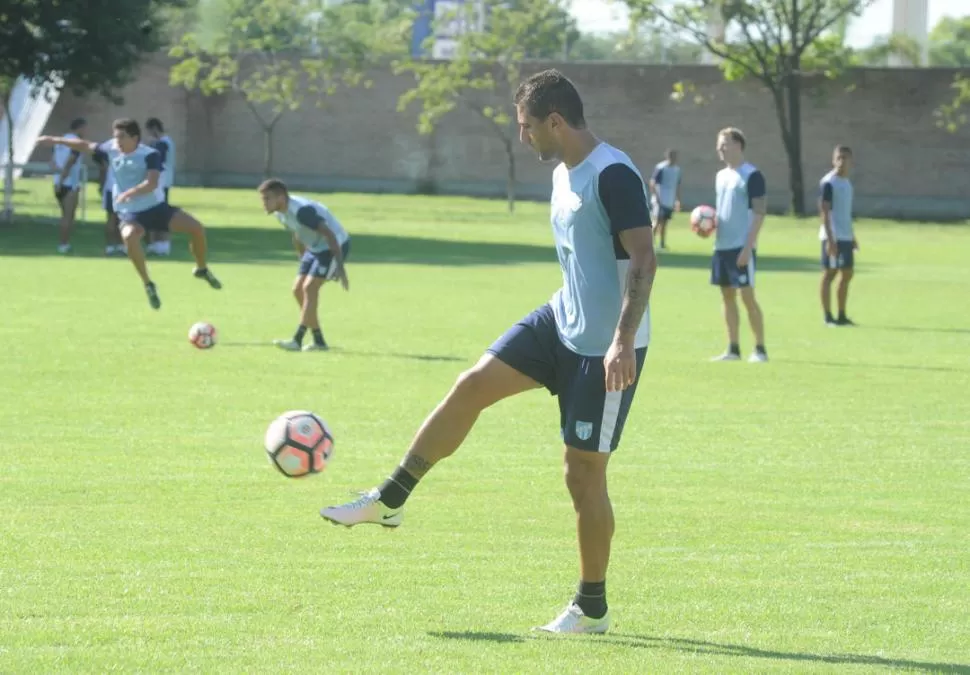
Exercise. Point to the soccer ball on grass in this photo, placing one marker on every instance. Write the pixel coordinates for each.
(202, 335)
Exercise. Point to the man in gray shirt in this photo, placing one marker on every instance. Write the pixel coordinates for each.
(838, 238)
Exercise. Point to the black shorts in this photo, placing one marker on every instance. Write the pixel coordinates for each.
(590, 418)
(155, 219)
(844, 256)
(61, 191)
(664, 212)
(108, 202)
(726, 273)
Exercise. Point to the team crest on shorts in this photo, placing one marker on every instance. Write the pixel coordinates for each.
(584, 430)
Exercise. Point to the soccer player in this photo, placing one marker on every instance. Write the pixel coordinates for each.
(838, 239)
(322, 244)
(112, 230)
(67, 182)
(741, 212)
(138, 199)
(665, 188)
(586, 345)
(160, 243)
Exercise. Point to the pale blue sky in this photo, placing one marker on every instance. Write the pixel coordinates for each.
(610, 15)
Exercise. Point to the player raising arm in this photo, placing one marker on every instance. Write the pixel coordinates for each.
(138, 199)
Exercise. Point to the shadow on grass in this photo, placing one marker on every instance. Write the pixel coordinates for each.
(337, 350)
(878, 366)
(922, 329)
(264, 245)
(703, 648)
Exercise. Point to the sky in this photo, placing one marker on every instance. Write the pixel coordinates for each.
(609, 15)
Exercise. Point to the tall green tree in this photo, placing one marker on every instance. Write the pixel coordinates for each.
(949, 43)
(776, 42)
(279, 54)
(486, 68)
(83, 48)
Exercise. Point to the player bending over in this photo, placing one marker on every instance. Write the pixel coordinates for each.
(838, 238)
(586, 345)
(138, 199)
(322, 245)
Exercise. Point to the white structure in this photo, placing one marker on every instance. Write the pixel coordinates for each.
(911, 18)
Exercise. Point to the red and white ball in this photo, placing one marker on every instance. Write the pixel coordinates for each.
(203, 335)
(703, 221)
(299, 443)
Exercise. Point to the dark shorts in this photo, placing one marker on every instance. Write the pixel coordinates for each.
(166, 195)
(60, 192)
(590, 418)
(726, 273)
(664, 212)
(844, 259)
(155, 219)
(319, 264)
(107, 201)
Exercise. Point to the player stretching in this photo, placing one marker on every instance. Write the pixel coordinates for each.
(838, 238)
(138, 200)
(740, 214)
(322, 244)
(665, 188)
(586, 345)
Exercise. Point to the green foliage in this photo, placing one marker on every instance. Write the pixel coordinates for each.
(951, 116)
(950, 43)
(91, 49)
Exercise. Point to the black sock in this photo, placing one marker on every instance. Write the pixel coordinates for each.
(396, 489)
(828, 316)
(318, 336)
(591, 598)
(298, 336)
(842, 316)
(760, 349)
(734, 348)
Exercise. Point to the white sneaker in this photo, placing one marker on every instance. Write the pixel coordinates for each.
(63, 249)
(314, 347)
(572, 620)
(367, 509)
(289, 345)
(758, 357)
(727, 356)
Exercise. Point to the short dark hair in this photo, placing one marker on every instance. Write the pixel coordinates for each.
(670, 153)
(78, 123)
(129, 126)
(735, 135)
(154, 124)
(274, 185)
(551, 92)
(843, 150)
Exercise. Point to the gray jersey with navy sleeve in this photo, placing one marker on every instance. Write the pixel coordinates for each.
(836, 191)
(667, 178)
(591, 204)
(736, 188)
(129, 170)
(303, 217)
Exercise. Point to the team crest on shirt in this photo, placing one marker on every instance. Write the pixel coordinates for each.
(584, 430)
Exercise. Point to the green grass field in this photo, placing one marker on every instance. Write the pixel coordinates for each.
(808, 515)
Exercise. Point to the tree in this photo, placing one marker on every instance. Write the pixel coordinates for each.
(275, 54)
(777, 42)
(950, 43)
(486, 69)
(74, 46)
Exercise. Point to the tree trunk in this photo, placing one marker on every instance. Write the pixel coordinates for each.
(268, 150)
(788, 108)
(510, 182)
(8, 170)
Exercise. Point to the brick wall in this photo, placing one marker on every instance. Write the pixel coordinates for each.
(906, 167)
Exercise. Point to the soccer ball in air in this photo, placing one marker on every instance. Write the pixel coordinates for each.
(703, 221)
(299, 443)
(202, 335)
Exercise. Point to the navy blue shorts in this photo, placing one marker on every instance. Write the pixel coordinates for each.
(319, 264)
(726, 273)
(155, 219)
(108, 202)
(590, 418)
(166, 195)
(664, 212)
(61, 191)
(844, 259)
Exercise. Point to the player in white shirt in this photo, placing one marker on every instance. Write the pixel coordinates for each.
(160, 243)
(322, 244)
(66, 164)
(665, 194)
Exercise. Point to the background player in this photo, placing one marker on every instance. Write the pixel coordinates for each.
(322, 244)
(112, 231)
(138, 199)
(66, 165)
(665, 189)
(160, 243)
(836, 232)
(586, 345)
(741, 212)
